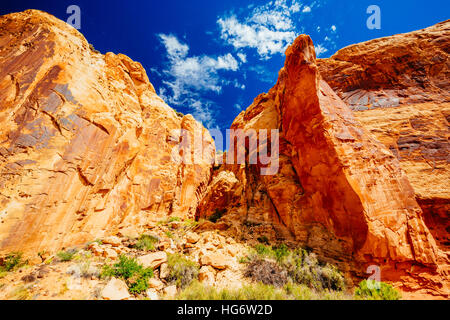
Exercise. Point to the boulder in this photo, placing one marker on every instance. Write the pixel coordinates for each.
(207, 275)
(192, 237)
(153, 260)
(170, 292)
(96, 249)
(216, 260)
(110, 254)
(156, 284)
(116, 289)
(152, 294)
(112, 240)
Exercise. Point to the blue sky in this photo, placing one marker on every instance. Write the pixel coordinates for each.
(212, 58)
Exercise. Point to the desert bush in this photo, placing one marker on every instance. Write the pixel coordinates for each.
(20, 293)
(264, 251)
(258, 291)
(276, 252)
(174, 219)
(371, 290)
(304, 268)
(266, 272)
(300, 266)
(12, 262)
(190, 224)
(169, 234)
(281, 252)
(67, 255)
(128, 269)
(146, 242)
(331, 278)
(182, 271)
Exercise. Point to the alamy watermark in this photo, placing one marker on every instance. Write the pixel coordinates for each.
(254, 147)
(75, 16)
(374, 281)
(374, 20)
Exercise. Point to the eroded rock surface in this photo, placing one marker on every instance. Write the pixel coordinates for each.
(386, 72)
(338, 191)
(400, 89)
(85, 142)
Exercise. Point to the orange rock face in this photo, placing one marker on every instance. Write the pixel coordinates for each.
(400, 88)
(338, 190)
(85, 143)
(401, 69)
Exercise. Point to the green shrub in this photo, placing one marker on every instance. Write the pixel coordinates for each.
(190, 224)
(257, 291)
(371, 290)
(20, 293)
(301, 267)
(331, 278)
(218, 213)
(169, 234)
(12, 262)
(300, 292)
(67, 255)
(276, 252)
(128, 269)
(281, 252)
(263, 250)
(182, 271)
(198, 291)
(146, 242)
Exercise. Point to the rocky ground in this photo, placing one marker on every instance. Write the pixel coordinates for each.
(49, 277)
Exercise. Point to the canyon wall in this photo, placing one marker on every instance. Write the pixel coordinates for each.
(399, 89)
(85, 143)
(338, 190)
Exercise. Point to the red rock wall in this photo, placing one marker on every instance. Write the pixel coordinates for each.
(399, 87)
(338, 190)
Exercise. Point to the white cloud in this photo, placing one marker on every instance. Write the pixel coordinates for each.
(174, 48)
(191, 81)
(295, 7)
(242, 57)
(187, 78)
(268, 28)
(320, 49)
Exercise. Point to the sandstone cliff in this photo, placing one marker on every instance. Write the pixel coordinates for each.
(399, 87)
(339, 191)
(85, 142)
